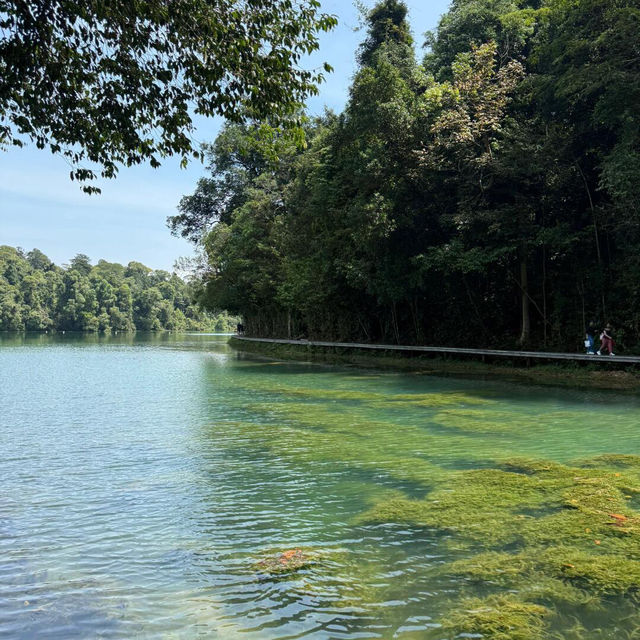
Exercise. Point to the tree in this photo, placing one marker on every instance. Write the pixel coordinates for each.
(487, 197)
(234, 160)
(387, 26)
(36, 295)
(117, 82)
(354, 192)
(81, 263)
(39, 260)
(588, 53)
(472, 23)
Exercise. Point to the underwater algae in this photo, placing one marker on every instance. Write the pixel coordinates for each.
(542, 503)
(308, 433)
(499, 618)
(286, 562)
(375, 399)
(572, 541)
(533, 546)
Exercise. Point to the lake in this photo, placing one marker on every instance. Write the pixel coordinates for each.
(167, 486)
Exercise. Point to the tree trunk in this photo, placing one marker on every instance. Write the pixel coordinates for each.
(394, 323)
(524, 293)
(544, 293)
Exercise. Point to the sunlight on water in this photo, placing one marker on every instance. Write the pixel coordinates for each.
(170, 487)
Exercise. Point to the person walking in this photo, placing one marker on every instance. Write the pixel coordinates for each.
(606, 341)
(590, 340)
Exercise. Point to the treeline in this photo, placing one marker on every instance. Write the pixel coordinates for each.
(37, 295)
(485, 195)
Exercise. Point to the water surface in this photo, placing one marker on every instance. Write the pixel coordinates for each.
(145, 478)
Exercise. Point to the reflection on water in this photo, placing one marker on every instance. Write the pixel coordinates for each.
(151, 483)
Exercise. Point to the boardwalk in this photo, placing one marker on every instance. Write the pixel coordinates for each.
(527, 356)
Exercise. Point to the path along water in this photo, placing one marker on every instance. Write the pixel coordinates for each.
(153, 487)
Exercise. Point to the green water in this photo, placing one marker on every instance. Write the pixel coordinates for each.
(147, 480)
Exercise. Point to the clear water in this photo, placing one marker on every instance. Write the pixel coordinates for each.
(143, 479)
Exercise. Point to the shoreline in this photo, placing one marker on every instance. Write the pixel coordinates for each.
(558, 375)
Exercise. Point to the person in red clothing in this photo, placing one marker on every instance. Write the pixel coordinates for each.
(606, 341)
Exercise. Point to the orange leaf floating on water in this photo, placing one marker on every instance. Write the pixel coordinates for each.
(287, 555)
(618, 516)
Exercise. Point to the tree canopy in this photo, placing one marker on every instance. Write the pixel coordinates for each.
(486, 195)
(37, 295)
(115, 82)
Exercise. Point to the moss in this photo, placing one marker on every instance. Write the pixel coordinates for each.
(474, 420)
(604, 574)
(534, 466)
(285, 562)
(430, 400)
(561, 574)
(492, 567)
(539, 504)
(612, 460)
(374, 399)
(312, 433)
(529, 573)
(554, 592)
(537, 534)
(574, 536)
(481, 504)
(491, 420)
(499, 618)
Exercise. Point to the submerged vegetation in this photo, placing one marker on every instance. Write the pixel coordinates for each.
(285, 562)
(527, 547)
(37, 295)
(499, 618)
(485, 195)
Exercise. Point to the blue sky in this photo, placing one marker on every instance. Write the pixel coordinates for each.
(40, 207)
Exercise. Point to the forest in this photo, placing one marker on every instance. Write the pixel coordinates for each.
(483, 195)
(37, 295)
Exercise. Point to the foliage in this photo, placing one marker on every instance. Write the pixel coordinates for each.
(486, 197)
(36, 295)
(499, 618)
(118, 81)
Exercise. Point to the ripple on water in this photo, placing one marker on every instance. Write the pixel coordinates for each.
(144, 482)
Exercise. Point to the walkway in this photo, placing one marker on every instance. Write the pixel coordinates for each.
(500, 353)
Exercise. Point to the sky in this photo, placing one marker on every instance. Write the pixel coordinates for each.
(40, 207)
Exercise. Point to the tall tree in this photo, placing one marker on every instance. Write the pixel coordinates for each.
(486, 197)
(117, 82)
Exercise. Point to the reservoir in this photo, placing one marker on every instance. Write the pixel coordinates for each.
(168, 486)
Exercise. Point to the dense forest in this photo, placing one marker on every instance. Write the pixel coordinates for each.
(37, 295)
(484, 195)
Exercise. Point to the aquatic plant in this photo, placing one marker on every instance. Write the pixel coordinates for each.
(605, 574)
(285, 562)
(521, 538)
(314, 392)
(498, 618)
(573, 534)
